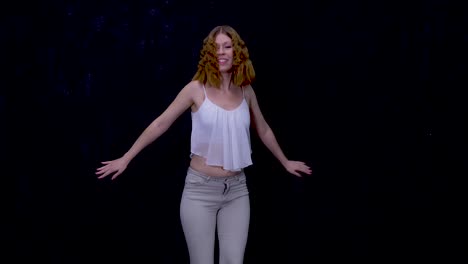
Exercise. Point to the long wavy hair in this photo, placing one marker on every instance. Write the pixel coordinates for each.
(242, 69)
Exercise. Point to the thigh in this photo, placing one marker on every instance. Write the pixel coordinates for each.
(198, 218)
(233, 227)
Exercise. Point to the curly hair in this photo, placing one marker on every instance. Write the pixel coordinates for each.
(242, 69)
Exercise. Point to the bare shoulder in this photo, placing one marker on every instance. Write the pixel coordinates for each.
(192, 86)
(249, 93)
(195, 90)
(190, 90)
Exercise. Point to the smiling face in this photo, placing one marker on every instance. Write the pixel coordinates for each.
(224, 55)
(224, 51)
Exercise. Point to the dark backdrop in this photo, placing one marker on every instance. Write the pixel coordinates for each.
(369, 93)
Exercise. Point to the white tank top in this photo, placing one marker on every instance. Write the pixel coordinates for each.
(222, 136)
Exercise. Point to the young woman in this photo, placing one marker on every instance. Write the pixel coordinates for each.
(223, 106)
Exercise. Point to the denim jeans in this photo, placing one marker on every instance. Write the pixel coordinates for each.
(210, 204)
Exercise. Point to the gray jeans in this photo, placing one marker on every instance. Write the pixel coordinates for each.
(209, 203)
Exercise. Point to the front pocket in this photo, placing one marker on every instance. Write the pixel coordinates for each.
(243, 180)
(194, 180)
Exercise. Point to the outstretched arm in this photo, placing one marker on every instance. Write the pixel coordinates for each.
(268, 137)
(160, 125)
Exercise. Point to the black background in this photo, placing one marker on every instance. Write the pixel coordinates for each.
(369, 93)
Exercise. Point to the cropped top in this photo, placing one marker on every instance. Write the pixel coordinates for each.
(222, 136)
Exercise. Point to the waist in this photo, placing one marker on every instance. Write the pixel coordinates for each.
(198, 163)
(223, 179)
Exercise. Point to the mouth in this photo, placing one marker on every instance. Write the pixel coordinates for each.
(222, 61)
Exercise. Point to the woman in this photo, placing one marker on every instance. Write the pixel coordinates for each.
(223, 106)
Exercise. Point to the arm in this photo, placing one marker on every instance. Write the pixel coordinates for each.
(160, 125)
(268, 138)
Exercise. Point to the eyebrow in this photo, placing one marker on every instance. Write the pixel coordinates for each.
(226, 42)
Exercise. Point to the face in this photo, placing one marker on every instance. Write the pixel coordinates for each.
(224, 51)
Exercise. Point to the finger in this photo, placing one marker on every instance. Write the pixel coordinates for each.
(104, 175)
(101, 168)
(116, 174)
(105, 162)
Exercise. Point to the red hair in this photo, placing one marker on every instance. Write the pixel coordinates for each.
(242, 70)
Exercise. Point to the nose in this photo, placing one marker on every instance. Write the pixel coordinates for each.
(220, 50)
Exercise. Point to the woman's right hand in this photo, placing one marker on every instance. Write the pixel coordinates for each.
(118, 166)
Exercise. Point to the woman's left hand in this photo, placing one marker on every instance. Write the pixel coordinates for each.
(294, 167)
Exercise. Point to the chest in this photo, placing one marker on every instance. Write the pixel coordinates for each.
(227, 102)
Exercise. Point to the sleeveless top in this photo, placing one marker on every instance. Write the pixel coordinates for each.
(222, 136)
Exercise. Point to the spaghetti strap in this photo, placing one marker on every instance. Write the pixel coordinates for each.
(204, 91)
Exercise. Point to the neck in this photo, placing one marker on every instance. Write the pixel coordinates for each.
(226, 81)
